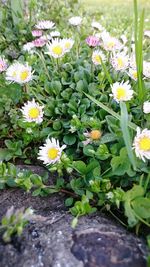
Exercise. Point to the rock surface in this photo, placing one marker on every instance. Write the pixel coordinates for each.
(51, 242)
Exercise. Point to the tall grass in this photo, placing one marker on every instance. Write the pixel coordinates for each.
(138, 36)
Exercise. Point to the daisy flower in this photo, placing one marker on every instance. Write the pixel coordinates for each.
(94, 135)
(97, 26)
(110, 43)
(68, 44)
(19, 73)
(37, 33)
(121, 91)
(55, 34)
(92, 41)
(147, 33)
(141, 144)
(3, 64)
(146, 69)
(40, 42)
(45, 25)
(120, 61)
(146, 107)
(28, 46)
(124, 39)
(56, 48)
(51, 152)
(32, 112)
(132, 62)
(75, 21)
(133, 74)
(98, 57)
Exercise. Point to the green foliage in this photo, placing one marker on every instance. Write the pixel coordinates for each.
(14, 222)
(136, 206)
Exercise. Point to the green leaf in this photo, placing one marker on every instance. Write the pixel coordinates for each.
(69, 202)
(132, 220)
(120, 165)
(80, 166)
(69, 139)
(136, 191)
(128, 198)
(92, 165)
(88, 150)
(5, 154)
(36, 179)
(102, 152)
(107, 138)
(141, 206)
(56, 87)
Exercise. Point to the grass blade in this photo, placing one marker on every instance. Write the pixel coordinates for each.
(138, 36)
(126, 134)
(106, 72)
(111, 112)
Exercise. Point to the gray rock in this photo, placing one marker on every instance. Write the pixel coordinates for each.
(50, 241)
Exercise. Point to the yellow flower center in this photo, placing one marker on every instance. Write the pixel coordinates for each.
(135, 74)
(34, 113)
(97, 58)
(144, 143)
(57, 50)
(95, 134)
(24, 75)
(120, 62)
(121, 93)
(53, 153)
(67, 45)
(111, 44)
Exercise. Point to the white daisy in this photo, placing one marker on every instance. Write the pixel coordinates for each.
(146, 69)
(32, 112)
(132, 62)
(28, 46)
(55, 34)
(121, 91)
(45, 25)
(98, 57)
(68, 44)
(75, 21)
(97, 26)
(110, 43)
(141, 144)
(3, 64)
(56, 48)
(146, 107)
(120, 61)
(147, 33)
(98, 34)
(19, 73)
(51, 152)
(133, 74)
(124, 39)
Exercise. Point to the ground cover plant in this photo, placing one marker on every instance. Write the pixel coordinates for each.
(74, 96)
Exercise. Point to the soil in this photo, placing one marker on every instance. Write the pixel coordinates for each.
(49, 241)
